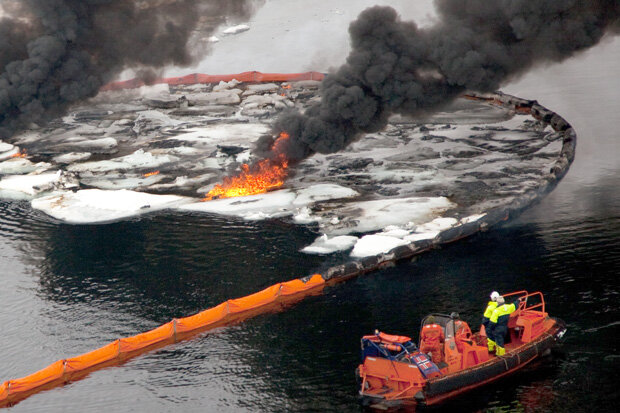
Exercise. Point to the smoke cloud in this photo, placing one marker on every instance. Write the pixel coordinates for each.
(56, 52)
(396, 67)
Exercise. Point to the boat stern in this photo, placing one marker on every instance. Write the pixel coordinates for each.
(388, 381)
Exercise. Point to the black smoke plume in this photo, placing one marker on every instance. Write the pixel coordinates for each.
(56, 52)
(396, 67)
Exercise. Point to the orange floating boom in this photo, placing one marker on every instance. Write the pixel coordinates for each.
(231, 311)
(194, 78)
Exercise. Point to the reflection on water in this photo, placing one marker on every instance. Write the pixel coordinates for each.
(165, 266)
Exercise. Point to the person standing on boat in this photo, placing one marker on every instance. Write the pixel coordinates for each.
(498, 325)
(491, 305)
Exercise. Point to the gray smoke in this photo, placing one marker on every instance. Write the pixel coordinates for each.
(56, 52)
(396, 67)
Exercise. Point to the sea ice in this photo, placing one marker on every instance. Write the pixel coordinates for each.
(223, 134)
(438, 224)
(393, 183)
(223, 97)
(93, 206)
(272, 204)
(138, 159)
(421, 236)
(367, 216)
(322, 192)
(72, 157)
(5, 147)
(375, 244)
(326, 245)
(226, 86)
(91, 144)
(395, 231)
(304, 216)
(116, 181)
(27, 186)
(260, 88)
(12, 151)
(259, 101)
(471, 218)
(17, 166)
(153, 118)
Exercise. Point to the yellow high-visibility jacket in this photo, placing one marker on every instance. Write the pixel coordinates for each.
(492, 305)
(501, 313)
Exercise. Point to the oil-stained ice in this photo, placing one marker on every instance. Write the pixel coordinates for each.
(375, 244)
(272, 204)
(28, 186)
(130, 152)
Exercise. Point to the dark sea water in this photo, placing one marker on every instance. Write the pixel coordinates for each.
(65, 290)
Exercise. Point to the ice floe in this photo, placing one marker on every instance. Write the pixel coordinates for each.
(5, 147)
(120, 181)
(229, 134)
(280, 203)
(326, 245)
(85, 144)
(322, 192)
(227, 86)
(71, 157)
(254, 207)
(15, 166)
(27, 186)
(140, 159)
(471, 218)
(375, 244)
(91, 206)
(7, 151)
(437, 224)
(367, 216)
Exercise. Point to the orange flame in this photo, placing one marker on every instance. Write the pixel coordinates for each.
(259, 178)
(146, 175)
(20, 154)
(286, 86)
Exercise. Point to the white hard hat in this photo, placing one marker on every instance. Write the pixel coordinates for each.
(494, 296)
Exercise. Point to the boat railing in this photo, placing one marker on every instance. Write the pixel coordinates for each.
(521, 294)
(540, 304)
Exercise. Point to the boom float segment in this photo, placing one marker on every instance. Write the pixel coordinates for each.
(116, 352)
(195, 78)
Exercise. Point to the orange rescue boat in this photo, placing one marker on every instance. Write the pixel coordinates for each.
(395, 373)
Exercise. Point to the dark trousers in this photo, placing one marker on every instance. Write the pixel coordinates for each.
(499, 333)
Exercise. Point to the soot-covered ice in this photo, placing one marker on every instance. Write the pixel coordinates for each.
(131, 152)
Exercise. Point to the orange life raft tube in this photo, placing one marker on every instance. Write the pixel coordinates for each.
(392, 375)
